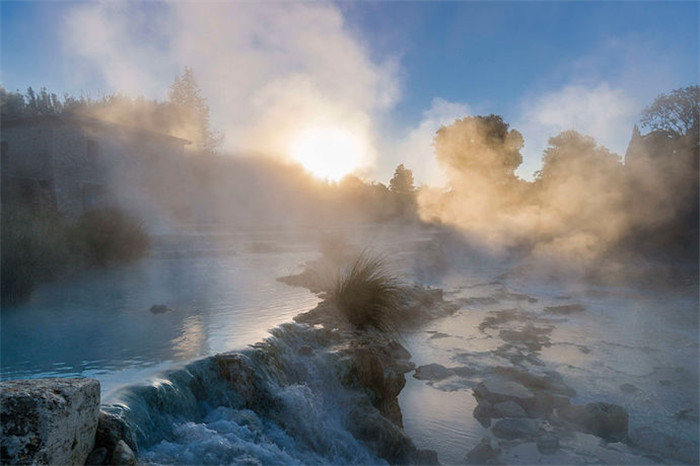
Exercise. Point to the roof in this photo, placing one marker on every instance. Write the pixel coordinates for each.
(72, 118)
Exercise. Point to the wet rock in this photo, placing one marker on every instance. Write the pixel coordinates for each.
(384, 438)
(551, 381)
(483, 413)
(688, 414)
(564, 309)
(305, 350)
(606, 420)
(483, 453)
(530, 336)
(654, 441)
(110, 430)
(123, 455)
(511, 429)
(373, 366)
(438, 335)
(508, 409)
(160, 309)
(48, 421)
(547, 443)
(239, 371)
(496, 390)
(628, 388)
(98, 456)
(432, 372)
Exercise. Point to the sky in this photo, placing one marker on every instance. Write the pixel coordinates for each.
(383, 76)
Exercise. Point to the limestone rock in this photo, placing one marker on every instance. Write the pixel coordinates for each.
(508, 409)
(497, 389)
(123, 455)
(660, 443)
(48, 421)
(605, 420)
(511, 429)
(98, 456)
(432, 372)
(483, 453)
(547, 443)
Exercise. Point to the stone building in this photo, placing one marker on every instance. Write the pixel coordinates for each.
(74, 163)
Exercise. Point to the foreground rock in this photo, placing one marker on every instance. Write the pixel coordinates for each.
(48, 421)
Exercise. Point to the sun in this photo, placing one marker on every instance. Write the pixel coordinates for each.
(328, 153)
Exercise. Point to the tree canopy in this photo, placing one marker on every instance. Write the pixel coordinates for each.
(481, 144)
(676, 113)
(402, 181)
(191, 112)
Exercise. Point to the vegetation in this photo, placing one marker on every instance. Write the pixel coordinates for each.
(368, 295)
(185, 114)
(676, 113)
(34, 249)
(109, 236)
(38, 246)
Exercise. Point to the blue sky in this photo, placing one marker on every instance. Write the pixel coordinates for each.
(544, 66)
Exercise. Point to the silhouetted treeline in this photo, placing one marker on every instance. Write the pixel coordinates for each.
(185, 114)
(585, 203)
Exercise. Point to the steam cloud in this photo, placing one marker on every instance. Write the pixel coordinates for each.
(268, 70)
(582, 205)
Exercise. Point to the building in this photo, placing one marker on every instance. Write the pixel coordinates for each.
(74, 163)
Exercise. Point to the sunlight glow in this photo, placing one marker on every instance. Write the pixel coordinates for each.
(328, 153)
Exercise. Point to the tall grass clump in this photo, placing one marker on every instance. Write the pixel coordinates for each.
(368, 294)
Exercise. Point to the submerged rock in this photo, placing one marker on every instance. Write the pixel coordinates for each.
(498, 389)
(435, 372)
(628, 388)
(654, 441)
(564, 309)
(511, 429)
(48, 421)
(160, 309)
(547, 443)
(508, 409)
(606, 420)
(483, 453)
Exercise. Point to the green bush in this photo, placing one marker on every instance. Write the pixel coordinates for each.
(368, 295)
(109, 236)
(38, 245)
(34, 249)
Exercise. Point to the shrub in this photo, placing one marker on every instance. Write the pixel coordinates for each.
(367, 294)
(34, 249)
(109, 236)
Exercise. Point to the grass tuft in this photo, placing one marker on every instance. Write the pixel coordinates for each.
(368, 294)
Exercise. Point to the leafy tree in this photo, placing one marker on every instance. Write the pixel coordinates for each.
(676, 113)
(483, 145)
(572, 154)
(192, 112)
(402, 182)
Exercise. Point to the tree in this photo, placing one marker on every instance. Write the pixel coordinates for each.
(570, 153)
(402, 182)
(192, 112)
(676, 113)
(483, 145)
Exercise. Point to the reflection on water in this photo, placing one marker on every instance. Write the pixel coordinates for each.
(190, 343)
(98, 324)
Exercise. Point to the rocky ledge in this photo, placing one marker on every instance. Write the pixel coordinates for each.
(48, 421)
